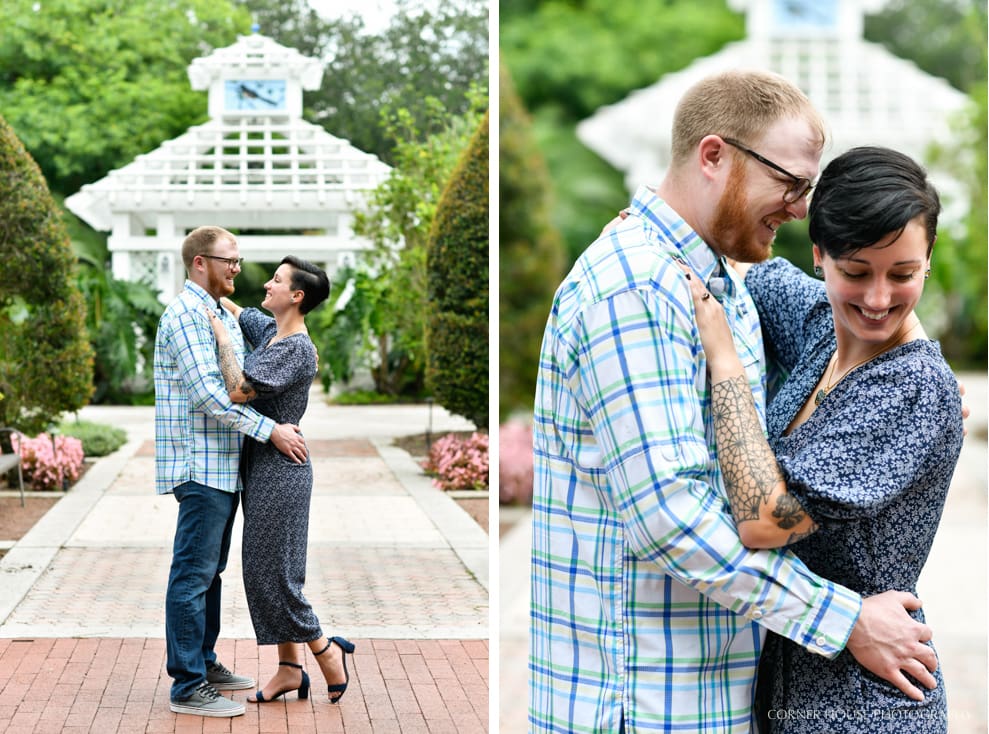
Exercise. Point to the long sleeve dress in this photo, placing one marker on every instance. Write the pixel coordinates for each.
(277, 491)
(872, 467)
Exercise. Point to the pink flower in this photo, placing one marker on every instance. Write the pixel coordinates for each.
(459, 463)
(50, 466)
(515, 462)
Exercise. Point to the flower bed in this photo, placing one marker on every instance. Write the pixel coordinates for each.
(459, 463)
(49, 465)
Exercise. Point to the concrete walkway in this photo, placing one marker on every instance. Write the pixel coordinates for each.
(394, 564)
(953, 587)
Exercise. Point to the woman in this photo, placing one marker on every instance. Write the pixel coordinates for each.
(866, 429)
(276, 379)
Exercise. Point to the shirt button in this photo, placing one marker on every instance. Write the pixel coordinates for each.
(822, 640)
(756, 614)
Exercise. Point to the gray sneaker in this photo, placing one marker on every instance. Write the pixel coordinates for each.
(224, 680)
(207, 702)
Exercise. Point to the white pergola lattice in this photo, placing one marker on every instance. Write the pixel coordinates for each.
(247, 168)
(867, 95)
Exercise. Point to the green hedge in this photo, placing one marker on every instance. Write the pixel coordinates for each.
(457, 284)
(98, 439)
(531, 254)
(46, 362)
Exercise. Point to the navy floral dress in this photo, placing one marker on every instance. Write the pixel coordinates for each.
(277, 491)
(872, 467)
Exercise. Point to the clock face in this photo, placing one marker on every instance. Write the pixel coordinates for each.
(805, 13)
(265, 95)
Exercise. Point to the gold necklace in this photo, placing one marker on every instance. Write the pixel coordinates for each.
(823, 392)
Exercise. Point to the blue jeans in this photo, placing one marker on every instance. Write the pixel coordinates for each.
(192, 601)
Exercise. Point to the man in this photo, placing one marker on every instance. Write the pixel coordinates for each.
(198, 435)
(647, 612)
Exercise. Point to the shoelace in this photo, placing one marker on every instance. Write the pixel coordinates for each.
(219, 668)
(208, 692)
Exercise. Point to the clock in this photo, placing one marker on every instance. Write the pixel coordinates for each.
(805, 14)
(261, 95)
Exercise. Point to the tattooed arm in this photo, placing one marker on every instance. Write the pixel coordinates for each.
(239, 387)
(766, 515)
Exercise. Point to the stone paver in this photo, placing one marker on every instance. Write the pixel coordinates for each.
(394, 565)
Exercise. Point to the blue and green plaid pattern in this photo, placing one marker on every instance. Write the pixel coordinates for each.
(197, 429)
(643, 598)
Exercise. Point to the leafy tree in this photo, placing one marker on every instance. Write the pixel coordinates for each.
(392, 298)
(457, 285)
(955, 299)
(425, 53)
(560, 87)
(568, 59)
(946, 38)
(294, 23)
(531, 253)
(45, 359)
(90, 84)
(121, 320)
(576, 57)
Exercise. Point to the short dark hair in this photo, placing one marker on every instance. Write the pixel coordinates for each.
(865, 195)
(311, 279)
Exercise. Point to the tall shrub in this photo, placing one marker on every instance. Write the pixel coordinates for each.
(46, 362)
(457, 284)
(531, 254)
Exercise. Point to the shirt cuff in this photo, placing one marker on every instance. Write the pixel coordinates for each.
(262, 431)
(829, 622)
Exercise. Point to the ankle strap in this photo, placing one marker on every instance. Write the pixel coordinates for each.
(328, 643)
(291, 665)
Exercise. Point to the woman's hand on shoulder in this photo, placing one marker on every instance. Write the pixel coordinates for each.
(219, 330)
(716, 337)
(231, 307)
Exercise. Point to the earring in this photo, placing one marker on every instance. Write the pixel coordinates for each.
(927, 274)
(818, 271)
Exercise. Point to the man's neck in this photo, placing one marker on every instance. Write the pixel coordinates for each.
(681, 198)
(205, 286)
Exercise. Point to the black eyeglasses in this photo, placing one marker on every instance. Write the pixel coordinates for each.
(230, 261)
(797, 190)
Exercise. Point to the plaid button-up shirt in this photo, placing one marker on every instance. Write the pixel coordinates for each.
(643, 598)
(197, 429)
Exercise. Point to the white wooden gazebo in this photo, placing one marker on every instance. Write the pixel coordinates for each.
(254, 166)
(867, 95)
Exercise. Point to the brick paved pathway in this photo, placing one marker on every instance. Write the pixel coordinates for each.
(118, 685)
(405, 578)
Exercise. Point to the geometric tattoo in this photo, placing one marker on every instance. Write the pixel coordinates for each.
(748, 464)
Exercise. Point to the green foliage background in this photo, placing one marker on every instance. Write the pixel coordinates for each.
(531, 253)
(569, 58)
(457, 286)
(382, 326)
(91, 84)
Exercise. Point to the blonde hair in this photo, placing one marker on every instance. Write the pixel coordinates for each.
(200, 241)
(740, 105)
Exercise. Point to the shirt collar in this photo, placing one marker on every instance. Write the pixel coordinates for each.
(647, 205)
(202, 295)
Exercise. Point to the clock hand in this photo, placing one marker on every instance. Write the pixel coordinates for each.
(246, 91)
